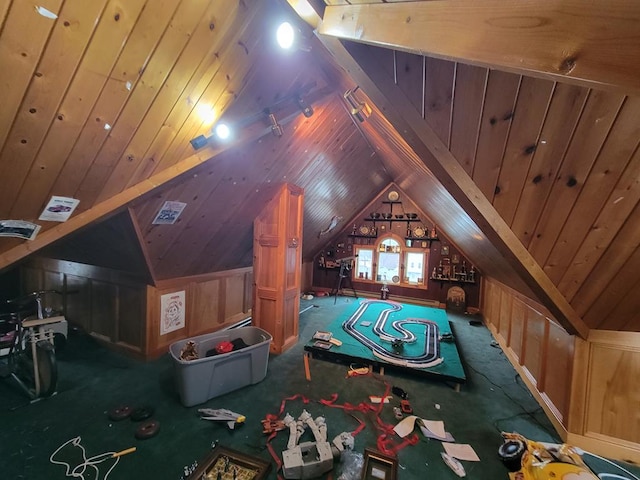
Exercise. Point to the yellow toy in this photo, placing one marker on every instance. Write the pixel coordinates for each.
(529, 460)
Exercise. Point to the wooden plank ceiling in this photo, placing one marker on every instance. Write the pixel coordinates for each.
(532, 173)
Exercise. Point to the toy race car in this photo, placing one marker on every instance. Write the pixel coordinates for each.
(529, 460)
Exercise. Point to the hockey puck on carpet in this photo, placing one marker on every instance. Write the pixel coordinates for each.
(120, 413)
(141, 413)
(147, 429)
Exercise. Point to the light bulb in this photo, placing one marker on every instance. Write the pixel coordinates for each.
(285, 35)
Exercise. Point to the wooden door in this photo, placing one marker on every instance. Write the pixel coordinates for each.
(277, 261)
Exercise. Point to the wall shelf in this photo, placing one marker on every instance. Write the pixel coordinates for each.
(443, 280)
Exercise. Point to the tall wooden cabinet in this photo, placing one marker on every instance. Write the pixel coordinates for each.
(277, 262)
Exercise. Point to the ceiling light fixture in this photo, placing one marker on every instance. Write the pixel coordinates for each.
(306, 109)
(276, 128)
(222, 131)
(290, 38)
(285, 35)
(360, 110)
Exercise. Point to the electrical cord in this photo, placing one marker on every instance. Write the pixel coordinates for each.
(79, 470)
(529, 413)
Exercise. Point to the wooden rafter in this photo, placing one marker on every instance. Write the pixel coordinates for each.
(364, 69)
(594, 44)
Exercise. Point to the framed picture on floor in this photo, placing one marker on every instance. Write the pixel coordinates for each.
(378, 466)
(227, 464)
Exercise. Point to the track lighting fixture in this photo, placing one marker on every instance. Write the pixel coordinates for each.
(306, 109)
(276, 128)
(225, 132)
(360, 110)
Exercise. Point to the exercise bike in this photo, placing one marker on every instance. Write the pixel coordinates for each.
(27, 344)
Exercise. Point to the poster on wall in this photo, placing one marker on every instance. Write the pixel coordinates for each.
(59, 209)
(172, 312)
(18, 228)
(169, 213)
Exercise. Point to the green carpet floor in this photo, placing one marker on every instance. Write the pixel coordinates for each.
(94, 380)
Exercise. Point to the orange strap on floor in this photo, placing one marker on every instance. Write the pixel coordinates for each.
(386, 442)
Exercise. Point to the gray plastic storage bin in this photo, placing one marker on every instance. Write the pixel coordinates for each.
(208, 377)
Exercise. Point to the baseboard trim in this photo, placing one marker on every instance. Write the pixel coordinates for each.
(607, 447)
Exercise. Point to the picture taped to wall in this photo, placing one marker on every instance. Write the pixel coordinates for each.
(445, 250)
(172, 312)
(169, 213)
(19, 229)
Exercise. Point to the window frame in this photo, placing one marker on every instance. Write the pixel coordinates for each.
(403, 252)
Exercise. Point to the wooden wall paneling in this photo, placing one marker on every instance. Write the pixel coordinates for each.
(78, 307)
(104, 310)
(213, 301)
(241, 206)
(409, 76)
(212, 221)
(438, 99)
(131, 317)
(253, 172)
(497, 114)
(534, 97)
(614, 392)
(224, 84)
(149, 86)
(178, 128)
(620, 215)
(118, 55)
(234, 298)
(504, 315)
(17, 69)
(152, 322)
(535, 339)
(160, 238)
(612, 162)
(55, 70)
(558, 364)
(567, 103)
(30, 280)
(516, 340)
(616, 271)
(143, 246)
(626, 313)
(485, 302)
(575, 419)
(595, 124)
(198, 51)
(470, 87)
(4, 9)
(535, 351)
(207, 306)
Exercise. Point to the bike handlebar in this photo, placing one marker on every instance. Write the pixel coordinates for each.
(31, 296)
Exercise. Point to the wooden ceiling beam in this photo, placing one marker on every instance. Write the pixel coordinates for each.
(434, 157)
(250, 132)
(593, 44)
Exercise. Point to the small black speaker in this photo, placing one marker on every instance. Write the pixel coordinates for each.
(199, 142)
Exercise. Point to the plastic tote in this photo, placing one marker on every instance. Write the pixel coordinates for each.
(208, 377)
